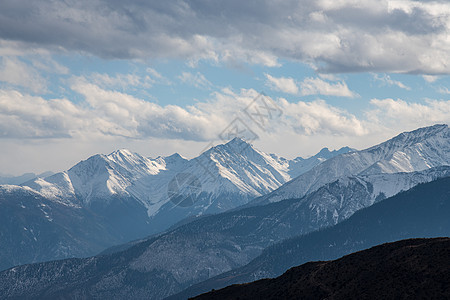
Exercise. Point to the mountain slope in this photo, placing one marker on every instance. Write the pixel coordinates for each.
(420, 212)
(417, 150)
(164, 265)
(33, 228)
(415, 268)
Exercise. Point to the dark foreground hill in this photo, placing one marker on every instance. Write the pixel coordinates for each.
(422, 212)
(408, 269)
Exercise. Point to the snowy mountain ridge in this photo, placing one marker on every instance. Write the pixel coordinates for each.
(338, 200)
(230, 175)
(417, 150)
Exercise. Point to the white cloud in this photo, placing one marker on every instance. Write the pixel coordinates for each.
(444, 90)
(318, 117)
(116, 114)
(386, 79)
(430, 78)
(198, 80)
(401, 115)
(154, 74)
(283, 84)
(135, 118)
(25, 116)
(329, 77)
(317, 86)
(17, 73)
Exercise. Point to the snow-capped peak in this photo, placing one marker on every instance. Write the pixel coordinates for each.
(236, 146)
(238, 142)
(122, 152)
(407, 139)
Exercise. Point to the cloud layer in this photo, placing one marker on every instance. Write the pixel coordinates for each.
(109, 113)
(333, 36)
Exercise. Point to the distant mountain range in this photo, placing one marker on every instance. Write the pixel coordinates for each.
(111, 199)
(423, 211)
(167, 263)
(415, 268)
(17, 180)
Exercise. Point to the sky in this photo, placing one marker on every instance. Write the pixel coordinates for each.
(83, 77)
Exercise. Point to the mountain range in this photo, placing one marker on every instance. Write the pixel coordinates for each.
(111, 199)
(210, 245)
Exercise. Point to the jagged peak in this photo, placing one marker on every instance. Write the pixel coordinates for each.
(121, 152)
(91, 165)
(235, 145)
(237, 141)
(326, 153)
(345, 149)
(125, 155)
(323, 151)
(175, 155)
(239, 144)
(174, 158)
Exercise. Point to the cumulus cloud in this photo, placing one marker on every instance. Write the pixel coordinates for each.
(317, 86)
(283, 84)
(25, 116)
(387, 80)
(318, 117)
(17, 73)
(390, 113)
(334, 36)
(111, 113)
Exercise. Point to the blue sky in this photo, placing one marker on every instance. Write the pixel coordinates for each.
(86, 77)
